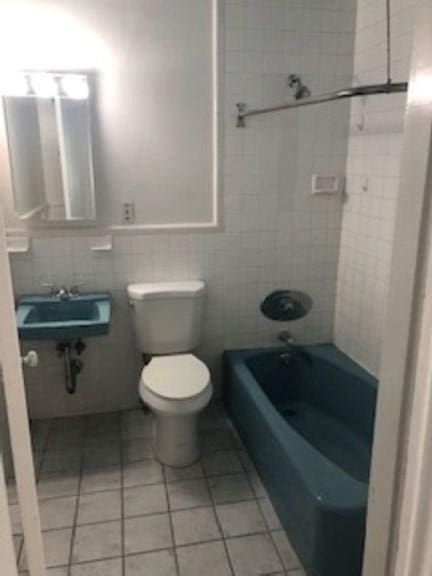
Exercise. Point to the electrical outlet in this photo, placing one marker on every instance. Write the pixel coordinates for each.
(128, 212)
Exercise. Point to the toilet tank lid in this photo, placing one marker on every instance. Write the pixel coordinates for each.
(150, 290)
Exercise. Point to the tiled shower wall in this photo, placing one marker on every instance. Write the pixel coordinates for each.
(274, 234)
(372, 182)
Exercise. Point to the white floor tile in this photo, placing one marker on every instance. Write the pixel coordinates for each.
(104, 444)
(58, 485)
(57, 512)
(195, 525)
(63, 571)
(98, 479)
(286, 551)
(65, 439)
(102, 453)
(246, 461)
(105, 425)
(112, 567)
(62, 461)
(57, 545)
(221, 463)
(200, 559)
(97, 541)
(257, 485)
(240, 518)
(230, 488)
(253, 555)
(160, 563)
(269, 513)
(136, 449)
(186, 473)
(99, 507)
(39, 432)
(213, 440)
(147, 533)
(188, 494)
(143, 472)
(136, 424)
(144, 500)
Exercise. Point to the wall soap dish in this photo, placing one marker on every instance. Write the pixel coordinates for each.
(322, 184)
(18, 244)
(102, 244)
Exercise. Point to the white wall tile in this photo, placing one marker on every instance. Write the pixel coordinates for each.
(275, 234)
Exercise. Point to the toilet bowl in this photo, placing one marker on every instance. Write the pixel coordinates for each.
(176, 388)
(175, 384)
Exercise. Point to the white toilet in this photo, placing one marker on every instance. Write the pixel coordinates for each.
(175, 384)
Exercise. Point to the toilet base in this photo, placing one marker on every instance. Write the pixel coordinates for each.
(175, 439)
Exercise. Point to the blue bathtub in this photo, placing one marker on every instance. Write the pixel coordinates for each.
(307, 422)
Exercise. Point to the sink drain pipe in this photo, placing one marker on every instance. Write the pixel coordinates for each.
(72, 366)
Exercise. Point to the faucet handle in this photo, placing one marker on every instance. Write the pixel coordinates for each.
(52, 287)
(74, 289)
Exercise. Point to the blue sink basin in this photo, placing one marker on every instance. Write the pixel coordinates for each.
(50, 318)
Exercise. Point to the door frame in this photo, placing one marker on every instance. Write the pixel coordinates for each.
(403, 339)
(18, 421)
(7, 549)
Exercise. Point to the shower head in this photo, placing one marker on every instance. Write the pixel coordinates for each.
(300, 90)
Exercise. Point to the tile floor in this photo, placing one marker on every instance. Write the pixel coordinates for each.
(108, 508)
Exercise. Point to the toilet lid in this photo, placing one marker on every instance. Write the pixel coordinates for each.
(177, 377)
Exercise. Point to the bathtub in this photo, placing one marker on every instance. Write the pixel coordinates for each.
(307, 422)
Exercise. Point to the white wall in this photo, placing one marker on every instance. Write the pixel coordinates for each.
(372, 183)
(275, 234)
(152, 90)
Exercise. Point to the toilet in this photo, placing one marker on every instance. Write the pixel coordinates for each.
(174, 384)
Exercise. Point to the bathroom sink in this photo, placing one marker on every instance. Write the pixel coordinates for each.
(51, 318)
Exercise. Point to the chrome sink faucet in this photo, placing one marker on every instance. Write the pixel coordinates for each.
(63, 293)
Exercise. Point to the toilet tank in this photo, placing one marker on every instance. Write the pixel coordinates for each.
(167, 316)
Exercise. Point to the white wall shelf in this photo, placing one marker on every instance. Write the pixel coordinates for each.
(18, 244)
(102, 244)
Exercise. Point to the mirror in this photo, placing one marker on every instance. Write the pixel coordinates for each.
(47, 118)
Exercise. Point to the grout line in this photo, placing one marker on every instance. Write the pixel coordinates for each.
(80, 476)
(207, 478)
(19, 551)
(170, 520)
(219, 524)
(118, 466)
(122, 507)
(164, 513)
(43, 452)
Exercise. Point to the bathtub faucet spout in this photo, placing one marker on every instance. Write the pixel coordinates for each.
(286, 337)
(288, 340)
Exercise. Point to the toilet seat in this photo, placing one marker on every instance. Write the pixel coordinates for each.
(177, 377)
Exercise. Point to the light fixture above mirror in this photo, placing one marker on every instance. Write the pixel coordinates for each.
(44, 85)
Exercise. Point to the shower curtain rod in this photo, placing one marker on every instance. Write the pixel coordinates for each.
(366, 90)
(388, 87)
